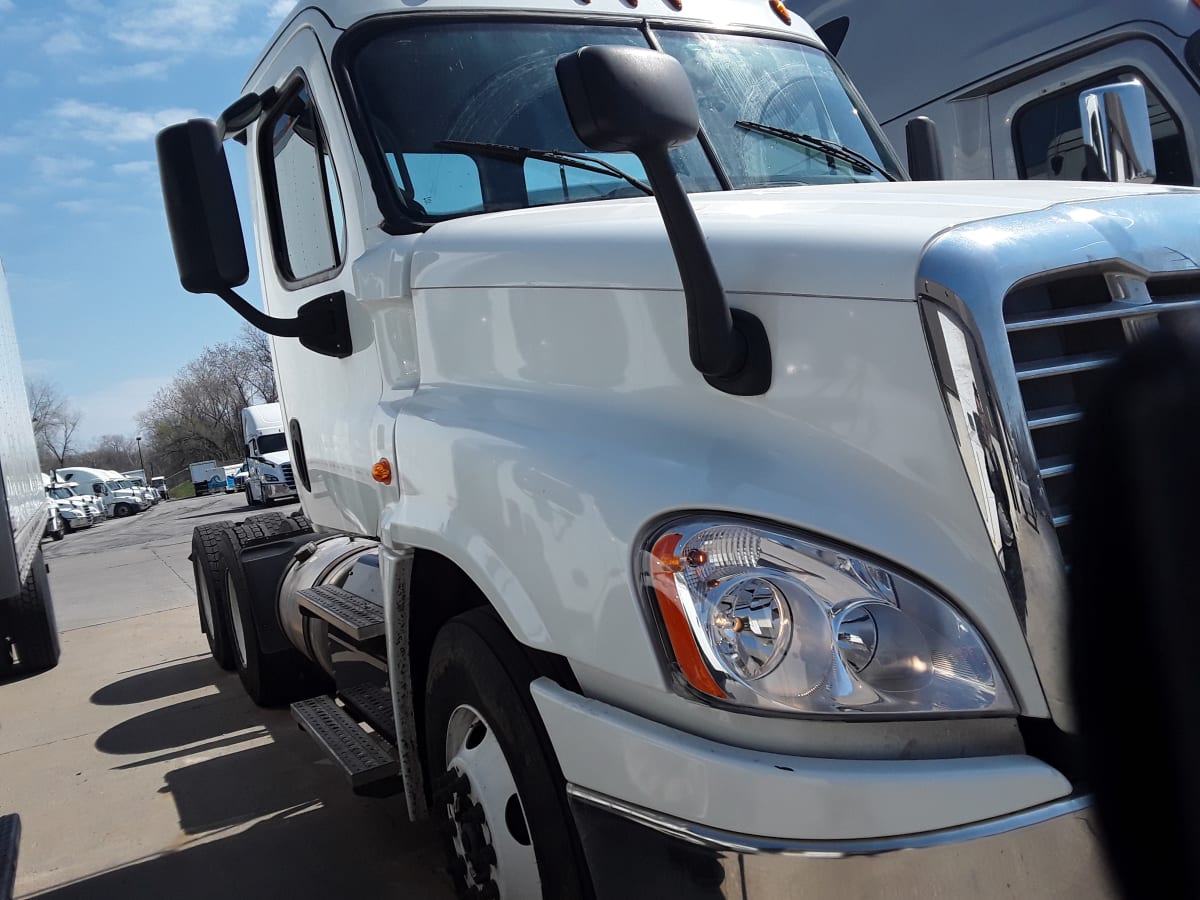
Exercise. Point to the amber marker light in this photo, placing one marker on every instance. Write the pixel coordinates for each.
(382, 472)
(663, 566)
(782, 11)
(678, 4)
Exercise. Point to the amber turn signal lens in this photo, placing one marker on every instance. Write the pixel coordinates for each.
(781, 11)
(663, 566)
(382, 472)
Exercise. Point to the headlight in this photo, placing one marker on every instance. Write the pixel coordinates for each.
(69, 513)
(270, 477)
(758, 618)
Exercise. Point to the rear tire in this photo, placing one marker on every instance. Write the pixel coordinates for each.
(479, 681)
(270, 678)
(210, 592)
(33, 630)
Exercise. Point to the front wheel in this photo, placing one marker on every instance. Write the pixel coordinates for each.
(497, 783)
(121, 510)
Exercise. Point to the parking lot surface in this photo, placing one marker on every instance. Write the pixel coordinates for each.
(141, 770)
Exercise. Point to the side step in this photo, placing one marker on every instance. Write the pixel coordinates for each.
(373, 704)
(370, 766)
(358, 618)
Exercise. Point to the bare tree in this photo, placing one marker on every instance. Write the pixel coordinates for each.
(54, 421)
(111, 451)
(198, 416)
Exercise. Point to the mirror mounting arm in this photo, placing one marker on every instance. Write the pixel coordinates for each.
(322, 325)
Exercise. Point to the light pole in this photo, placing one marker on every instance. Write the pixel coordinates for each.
(142, 461)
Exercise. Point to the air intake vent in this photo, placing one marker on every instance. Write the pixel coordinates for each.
(1063, 332)
(288, 476)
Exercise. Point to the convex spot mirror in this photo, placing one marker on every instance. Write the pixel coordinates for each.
(628, 99)
(1116, 133)
(206, 230)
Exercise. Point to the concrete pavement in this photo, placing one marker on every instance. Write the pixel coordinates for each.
(141, 770)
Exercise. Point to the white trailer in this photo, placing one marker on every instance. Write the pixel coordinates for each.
(689, 492)
(208, 477)
(28, 633)
(1002, 81)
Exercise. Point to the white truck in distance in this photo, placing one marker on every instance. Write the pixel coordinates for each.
(119, 497)
(688, 489)
(76, 510)
(1004, 93)
(269, 472)
(28, 633)
(208, 477)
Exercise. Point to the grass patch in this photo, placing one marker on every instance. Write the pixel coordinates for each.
(183, 491)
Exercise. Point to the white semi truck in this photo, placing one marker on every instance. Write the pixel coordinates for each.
(269, 472)
(1001, 81)
(689, 491)
(28, 633)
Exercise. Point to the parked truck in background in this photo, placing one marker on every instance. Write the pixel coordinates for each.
(28, 633)
(208, 477)
(269, 473)
(1002, 81)
(119, 497)
(686, 490)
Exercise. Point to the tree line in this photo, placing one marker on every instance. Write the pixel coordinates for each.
(197, 416)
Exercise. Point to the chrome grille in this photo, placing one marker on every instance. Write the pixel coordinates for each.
(1062, 332)
(288, 476)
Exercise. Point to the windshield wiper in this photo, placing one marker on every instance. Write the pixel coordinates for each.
(846, 154)
(562, 157)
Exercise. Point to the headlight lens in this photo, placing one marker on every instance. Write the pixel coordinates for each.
(270, 477)
(760, 618)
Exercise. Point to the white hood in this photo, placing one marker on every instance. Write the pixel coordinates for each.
(850, 240)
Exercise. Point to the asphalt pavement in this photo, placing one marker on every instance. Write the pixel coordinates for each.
(141, 770)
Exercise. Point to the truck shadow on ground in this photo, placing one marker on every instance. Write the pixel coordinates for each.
(262, 813)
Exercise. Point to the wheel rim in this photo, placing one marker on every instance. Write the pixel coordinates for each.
(206, 608)
(235, 608)
(489, 833)
(122, 511)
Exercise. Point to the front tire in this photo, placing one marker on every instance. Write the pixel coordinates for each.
(33, 629)
(123, 510)
(497, 783)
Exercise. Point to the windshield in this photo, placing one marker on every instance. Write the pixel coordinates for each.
(271, 443)
(62, 493)
(117, 485)
(488, 82)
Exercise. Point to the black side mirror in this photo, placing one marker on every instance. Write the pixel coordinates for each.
(640, 101)
(924, 152)
(202, 213)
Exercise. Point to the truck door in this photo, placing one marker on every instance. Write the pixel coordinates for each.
(309, 229)
(1036, 124)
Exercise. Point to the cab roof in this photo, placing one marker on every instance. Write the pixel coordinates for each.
(758, 14)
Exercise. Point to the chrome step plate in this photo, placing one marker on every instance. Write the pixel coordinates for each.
(358, 618)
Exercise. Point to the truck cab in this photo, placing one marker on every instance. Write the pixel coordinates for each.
(678, 475)
(269, 475)
(1004, 82)
(75, 510)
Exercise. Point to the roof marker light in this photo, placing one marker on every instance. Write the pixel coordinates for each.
(678, 4)
(382, 472)
(782, 11)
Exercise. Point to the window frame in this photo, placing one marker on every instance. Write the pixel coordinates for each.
(296, 82)
(1116, 75)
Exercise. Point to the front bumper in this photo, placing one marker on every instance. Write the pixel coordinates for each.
(278, 490)
(1047, 852)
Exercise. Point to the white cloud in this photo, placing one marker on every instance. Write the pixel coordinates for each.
(280, 8)
(6, 5)
(9, 209)
(78, 207)
(61, 170)
(12, 144)
(185, 25)
(151, 69)
(63, 42)
(139, 167)
(104, 124)
(17, 79)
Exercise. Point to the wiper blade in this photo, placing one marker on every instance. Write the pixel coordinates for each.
(562, 157)
(839, 151)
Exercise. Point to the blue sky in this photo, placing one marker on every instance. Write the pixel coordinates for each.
(84, 87)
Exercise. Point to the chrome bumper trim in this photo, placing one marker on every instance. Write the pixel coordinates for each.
(704, 836)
